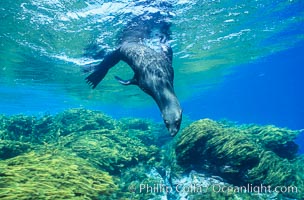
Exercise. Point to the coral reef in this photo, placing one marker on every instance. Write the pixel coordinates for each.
(241, 155)
(47, 176)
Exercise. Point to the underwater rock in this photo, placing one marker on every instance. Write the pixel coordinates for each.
(19, 128)
(3, 122)
(238, 155)
(133, 181)
(208, 142)
(149, 132)
(199, 186)
(9, 149)
(78, 140)
(143, 183)
(278, 140)
(45, 130)
(103, 142)
(111, 150)
(74, 120)
(136, 124)
(29, 129)
(48, 129)
(47, 176)
(90, 134)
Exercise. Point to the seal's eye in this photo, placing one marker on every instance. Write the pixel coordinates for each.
(166, 123)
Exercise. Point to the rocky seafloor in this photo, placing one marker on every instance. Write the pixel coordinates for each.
(84, 154)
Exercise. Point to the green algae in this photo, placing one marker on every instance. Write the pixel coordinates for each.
(132, 179)
(243, 154)
(20, 128)
(10, 149)
(135, 124)
(74, 120)
(29, 129)
(87, 138)
(105, 142)
(125, 151)
(278, 140)
(48, 176)
(149, 132)
(110, 150)
(48, 129)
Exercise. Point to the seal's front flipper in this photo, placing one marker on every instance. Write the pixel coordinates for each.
(101, 70)
(132, 81)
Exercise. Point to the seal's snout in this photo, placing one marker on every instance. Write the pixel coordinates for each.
(173, 124)
(173, 131)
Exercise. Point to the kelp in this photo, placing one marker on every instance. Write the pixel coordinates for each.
(52, 176)
(241, 155)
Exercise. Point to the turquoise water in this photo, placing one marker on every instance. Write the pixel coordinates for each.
(43, 45)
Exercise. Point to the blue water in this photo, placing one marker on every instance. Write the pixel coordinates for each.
(240, 61)
(268, 91)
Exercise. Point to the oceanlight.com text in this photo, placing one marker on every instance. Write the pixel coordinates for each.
(216, 188)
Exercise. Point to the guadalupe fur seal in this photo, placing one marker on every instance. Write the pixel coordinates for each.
(143, 45)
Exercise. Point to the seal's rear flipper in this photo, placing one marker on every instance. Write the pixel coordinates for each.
(101, 70)
(132, 81)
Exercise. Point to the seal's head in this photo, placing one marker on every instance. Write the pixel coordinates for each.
(172, 119)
